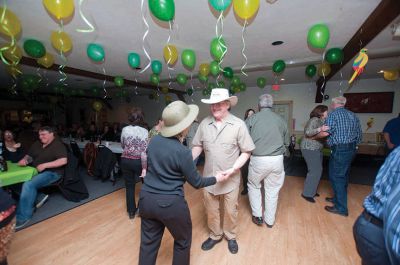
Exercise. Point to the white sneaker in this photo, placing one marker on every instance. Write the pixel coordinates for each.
(42, 201)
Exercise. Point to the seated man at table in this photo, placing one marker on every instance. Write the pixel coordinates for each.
(49, 156)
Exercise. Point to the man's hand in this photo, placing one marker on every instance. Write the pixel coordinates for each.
(22, 162)
(221, 176)
(41, 167)
(230, 171)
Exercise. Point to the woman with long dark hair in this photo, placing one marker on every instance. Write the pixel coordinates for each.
(311, 149)
(134, 139)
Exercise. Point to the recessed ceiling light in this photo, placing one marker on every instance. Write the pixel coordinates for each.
(276, 43)
(380, 72)
(282, 79)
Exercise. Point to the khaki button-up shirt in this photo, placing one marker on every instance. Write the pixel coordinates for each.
(222, 148)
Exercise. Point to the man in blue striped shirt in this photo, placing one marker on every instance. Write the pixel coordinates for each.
(344, 135)
(391, 221)
(368, 228)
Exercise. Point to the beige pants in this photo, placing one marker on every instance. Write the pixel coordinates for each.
(229, 214)
(268, 170)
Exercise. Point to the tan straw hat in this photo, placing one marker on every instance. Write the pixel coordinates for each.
(177, 116)
(219, 95)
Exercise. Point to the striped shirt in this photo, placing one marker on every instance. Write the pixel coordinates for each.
(391, 225)
(388, 177)
(344, 127)
(134, 141)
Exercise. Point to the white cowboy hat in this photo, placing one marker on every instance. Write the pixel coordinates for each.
(219, 95)
(178, 116)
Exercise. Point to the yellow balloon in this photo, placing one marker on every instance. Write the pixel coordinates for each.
(391, 75)
(47, 60)
(61, 41)
(324, 69)
(59, 8)
(170, 54)
(245, 9)
(204, 69)
(165, 90)
(13, 70)
(97, 105)
(9, 23)
(13, 54)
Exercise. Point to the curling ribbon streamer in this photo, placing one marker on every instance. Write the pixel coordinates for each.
(12, 44)
(63, 58)
(170, 55)
(104, 82)
(91, 27)
(220, 21)
(144, 38)
(244, 47)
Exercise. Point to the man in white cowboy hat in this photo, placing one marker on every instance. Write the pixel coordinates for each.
(227, 146)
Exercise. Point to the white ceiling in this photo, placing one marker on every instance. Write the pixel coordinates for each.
(120, 30)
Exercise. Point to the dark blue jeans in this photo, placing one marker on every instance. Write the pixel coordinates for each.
(339, 168)
(370, 242)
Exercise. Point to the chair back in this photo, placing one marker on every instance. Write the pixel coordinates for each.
(89, 157)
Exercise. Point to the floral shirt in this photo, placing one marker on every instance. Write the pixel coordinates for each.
(134, 140)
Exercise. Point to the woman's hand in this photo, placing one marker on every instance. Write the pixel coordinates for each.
(144, 171)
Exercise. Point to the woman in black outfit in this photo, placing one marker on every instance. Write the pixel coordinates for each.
(162, 203)
(13, 151)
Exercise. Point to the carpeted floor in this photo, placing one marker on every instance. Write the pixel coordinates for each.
(57, 204)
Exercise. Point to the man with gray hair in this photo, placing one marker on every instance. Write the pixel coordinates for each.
(270, 135)
(344, 135)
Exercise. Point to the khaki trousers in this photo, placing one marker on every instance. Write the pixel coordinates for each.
(229, 214)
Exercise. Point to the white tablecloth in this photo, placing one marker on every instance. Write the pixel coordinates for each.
(115, 147)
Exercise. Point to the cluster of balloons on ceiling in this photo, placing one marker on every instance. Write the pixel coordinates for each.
(164, 10)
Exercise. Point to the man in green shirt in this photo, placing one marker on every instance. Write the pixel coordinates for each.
(270, 135)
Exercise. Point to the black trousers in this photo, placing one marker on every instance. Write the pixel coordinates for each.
(131, 170)
(158, 211)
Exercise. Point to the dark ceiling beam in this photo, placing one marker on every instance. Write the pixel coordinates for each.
(79, 72)
(379, 19)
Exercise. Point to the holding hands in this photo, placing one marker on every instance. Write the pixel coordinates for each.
(221, 176)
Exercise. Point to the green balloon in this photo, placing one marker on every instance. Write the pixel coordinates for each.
(235, 81)
(189, 91)
(188, 59)
(34, 48)
(119, 81)
(95, 52)
(211, 86)
(311, 70)
(228, 72)
(220, 5)
(217, 48)
(242, 87)
(181, 79)
(162, 9)
(278, 67)
(134, 60)
(154, 79)
(261, 82)
(334, 55)
(221, 84)
(206, 92)
(214, 68)
(156, 66)
(318, 36)
(203, 78)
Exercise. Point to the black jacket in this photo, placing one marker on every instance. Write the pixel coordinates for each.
(105, 162)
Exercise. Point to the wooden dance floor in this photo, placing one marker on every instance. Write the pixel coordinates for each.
(100, 232)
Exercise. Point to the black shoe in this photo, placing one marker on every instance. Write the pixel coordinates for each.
(329, 199)
(257, 220)
(131, 215)
(244, 192)
(309, 199)
(316, 194)
(209, 243)
(332, 209)
(233, 246)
